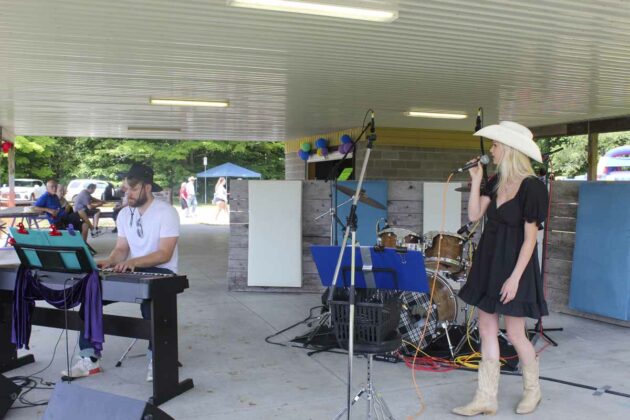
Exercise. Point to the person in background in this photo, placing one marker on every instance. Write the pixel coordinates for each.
(108, 193)
(56, 213)
(121, 204)
(220, 197)
(183, 197)
(86, 207)
(191, 195)
(61, 193)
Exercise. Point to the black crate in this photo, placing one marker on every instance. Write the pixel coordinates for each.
(375, 320)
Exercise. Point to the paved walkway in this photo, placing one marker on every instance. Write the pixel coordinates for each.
(239, 376)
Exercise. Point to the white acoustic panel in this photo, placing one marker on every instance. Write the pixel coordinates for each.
(275, 234)
(434, 209)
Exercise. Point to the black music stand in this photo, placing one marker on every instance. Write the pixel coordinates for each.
(51, 258)
(380, 273)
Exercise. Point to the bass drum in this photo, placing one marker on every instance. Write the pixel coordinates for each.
(415, 307)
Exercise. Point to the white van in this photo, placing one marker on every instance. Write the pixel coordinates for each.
(27, 190)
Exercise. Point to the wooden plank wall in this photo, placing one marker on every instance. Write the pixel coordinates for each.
(405, 202)
(561, 242)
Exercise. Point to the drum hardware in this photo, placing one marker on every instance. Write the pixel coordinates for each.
(471, 326)
(463, 188)
(415, 307)
(363, 197)
(448, 338)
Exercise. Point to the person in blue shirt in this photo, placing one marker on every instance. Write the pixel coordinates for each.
(49, 204)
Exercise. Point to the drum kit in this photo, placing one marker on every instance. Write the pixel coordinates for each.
(422, 319)
(446, 272)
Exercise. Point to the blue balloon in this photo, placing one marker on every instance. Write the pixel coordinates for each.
(303, 154)
(345, 139)
(321, 143)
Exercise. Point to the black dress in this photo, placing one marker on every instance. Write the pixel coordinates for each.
(497, 253)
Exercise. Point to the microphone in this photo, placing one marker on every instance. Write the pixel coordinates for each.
(373, 127)
(479, 121)
(372, 136)
(464, 228)
(484, 159)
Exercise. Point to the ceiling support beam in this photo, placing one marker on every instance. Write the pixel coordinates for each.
(593, 157)
(576, 128)
(8, 135)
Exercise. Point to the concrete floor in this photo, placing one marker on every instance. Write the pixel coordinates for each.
(238, 375)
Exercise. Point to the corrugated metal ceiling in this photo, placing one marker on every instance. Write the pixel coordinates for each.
(88, 68)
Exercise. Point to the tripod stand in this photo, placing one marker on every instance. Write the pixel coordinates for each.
(351, 231)
(323, 320)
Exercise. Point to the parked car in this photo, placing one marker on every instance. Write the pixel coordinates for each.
(27, 190)
(77, 185)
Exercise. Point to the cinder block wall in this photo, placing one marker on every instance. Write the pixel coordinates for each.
(406, 163)
(399, 163)
(399, 154)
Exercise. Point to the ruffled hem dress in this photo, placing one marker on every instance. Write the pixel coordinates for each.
(498, 249)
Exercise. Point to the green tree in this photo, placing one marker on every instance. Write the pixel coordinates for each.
(570, 157)
(173, 161)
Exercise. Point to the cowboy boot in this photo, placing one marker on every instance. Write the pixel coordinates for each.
(485, 401)
(531, 389)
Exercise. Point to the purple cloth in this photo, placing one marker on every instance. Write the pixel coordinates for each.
(87, 292)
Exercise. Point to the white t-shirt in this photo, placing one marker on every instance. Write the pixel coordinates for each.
(190, 188)
(160, 220)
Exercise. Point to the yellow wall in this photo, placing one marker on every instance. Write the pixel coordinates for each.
(404, 137)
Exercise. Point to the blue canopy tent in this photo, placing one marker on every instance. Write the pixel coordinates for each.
(227, 170)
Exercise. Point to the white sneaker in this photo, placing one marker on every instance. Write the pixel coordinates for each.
(83, 367)
(150, 371)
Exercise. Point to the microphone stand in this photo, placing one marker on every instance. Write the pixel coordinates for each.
(479, 126)
(351, 230)
(324, 318)
(538, 328)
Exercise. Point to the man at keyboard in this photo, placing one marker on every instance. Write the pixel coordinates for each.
(148, 230)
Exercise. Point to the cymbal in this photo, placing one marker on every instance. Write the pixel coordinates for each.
(362, 197)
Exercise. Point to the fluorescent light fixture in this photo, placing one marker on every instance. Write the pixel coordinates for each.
(155, 129)
(444, 115)
(322, 9)
(188, 102)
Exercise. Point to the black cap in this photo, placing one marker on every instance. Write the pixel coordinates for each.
(143, 173)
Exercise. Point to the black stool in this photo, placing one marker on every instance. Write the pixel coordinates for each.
(377, 314)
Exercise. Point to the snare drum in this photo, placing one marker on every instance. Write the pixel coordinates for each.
(451, 251)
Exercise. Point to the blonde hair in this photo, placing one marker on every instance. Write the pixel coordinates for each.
(514, 165)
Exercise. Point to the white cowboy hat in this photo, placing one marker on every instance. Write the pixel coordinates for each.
(515, 135)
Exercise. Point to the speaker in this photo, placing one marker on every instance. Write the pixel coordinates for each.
(73, 402)
(8, 394)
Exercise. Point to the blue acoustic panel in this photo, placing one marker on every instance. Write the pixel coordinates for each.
(600, 280)
(367, 215)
